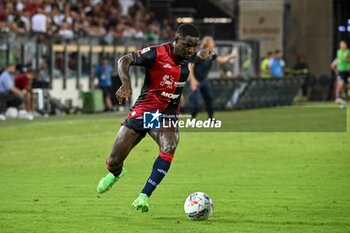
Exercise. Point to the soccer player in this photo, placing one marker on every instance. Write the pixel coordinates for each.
(343, 66)
(277, 65)
(265, 66)
(166, 74)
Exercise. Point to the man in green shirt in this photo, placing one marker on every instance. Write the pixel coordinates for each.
(265, 66)
(343, 56)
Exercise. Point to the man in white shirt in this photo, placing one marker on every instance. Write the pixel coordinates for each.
(39, 22)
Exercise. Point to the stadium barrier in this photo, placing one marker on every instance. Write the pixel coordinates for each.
(250, 93)
(269, 92)
(75, 60)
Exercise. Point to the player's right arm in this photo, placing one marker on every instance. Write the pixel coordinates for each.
(334, 65)
(125, 91)
(145, 57)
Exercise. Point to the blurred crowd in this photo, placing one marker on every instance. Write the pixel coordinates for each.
(72, 18)
(274, 66)
(17, 98)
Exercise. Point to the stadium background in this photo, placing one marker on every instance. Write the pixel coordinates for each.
(260, 181)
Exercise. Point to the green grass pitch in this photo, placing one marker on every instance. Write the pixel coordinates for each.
(259, 182)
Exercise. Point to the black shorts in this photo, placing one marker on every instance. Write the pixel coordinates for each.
(344, 76)
(137, 125)
(10, 99)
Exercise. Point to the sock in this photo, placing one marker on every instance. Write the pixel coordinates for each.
(115, 171)
(160, 168)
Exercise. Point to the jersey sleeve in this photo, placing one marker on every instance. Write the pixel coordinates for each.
(145, 57)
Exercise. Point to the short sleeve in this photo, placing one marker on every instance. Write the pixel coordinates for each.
(8, 82)
(145, 57)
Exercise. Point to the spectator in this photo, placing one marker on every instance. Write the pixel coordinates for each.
(56, 17)
(125, 5)
(119, 31)
(265, 66)
(301, 67)
(104, 75)
(11, 95)
(343, 57)
(95, 18)
(139, 33)
(20, 6)
(23, 83)
(109, 37)
(129, 32)
(23, 22)
(32, 7)
(277, 65)
(66, 32)
(39, 21)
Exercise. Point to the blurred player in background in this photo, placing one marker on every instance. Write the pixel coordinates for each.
(166, 74)
(343, 65)
(338, 81)
(277, 65)
(265, 66)
(302, 68)
(199, 77)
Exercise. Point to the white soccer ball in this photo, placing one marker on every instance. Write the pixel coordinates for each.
(198, 206)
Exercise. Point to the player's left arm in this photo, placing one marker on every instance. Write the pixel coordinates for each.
(347, 57)
(193, 80)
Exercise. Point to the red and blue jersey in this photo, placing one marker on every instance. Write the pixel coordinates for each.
(164, 82)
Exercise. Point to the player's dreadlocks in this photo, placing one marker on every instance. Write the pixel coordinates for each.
(187, 30)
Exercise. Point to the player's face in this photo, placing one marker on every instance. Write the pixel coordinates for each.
(211, 44)
(185, 47)
(343, 45)
(12, 69)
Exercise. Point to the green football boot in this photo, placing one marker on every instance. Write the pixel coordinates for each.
(141, 203)
(108, 181)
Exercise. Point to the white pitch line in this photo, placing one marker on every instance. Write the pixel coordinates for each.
(54, 138)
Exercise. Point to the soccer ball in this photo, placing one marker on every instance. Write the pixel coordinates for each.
(198, 206)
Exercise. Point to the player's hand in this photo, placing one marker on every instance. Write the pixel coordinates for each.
(234, 54)
(194, 85)
(205, 54)
(124, 92)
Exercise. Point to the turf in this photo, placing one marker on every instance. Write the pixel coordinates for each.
(259, 181)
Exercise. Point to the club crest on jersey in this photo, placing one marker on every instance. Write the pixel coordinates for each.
(167, 80)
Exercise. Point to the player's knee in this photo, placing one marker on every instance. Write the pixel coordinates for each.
(170, 148)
